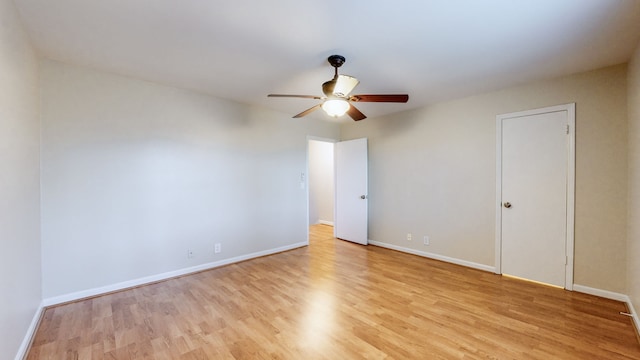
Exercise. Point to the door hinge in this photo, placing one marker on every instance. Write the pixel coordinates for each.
(567, 129)
(566, 260)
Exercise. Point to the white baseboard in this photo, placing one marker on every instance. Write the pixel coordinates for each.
(613, 296)
(31, 331)
(634, 316)
(325, 222)
(159, 277)
(601, 293)
(434, 256)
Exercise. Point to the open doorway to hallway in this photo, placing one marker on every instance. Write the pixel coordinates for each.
(321, 183)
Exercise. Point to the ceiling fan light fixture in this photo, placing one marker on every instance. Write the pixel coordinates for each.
(337, 95)
(335, 107)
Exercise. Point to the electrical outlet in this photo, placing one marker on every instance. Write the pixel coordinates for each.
(217, 248)
(409, 237)
(190, 254)
(426, 240)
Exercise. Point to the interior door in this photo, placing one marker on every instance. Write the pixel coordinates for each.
(534, 180)
(351, 214)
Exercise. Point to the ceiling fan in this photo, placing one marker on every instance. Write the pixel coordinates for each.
(337, 101)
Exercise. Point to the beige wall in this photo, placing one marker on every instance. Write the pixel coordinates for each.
(633, 274)
(20, 272)
(432, 172)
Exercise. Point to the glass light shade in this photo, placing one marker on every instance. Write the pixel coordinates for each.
(335, 107)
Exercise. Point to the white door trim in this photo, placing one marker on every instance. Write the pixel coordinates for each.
(571, 183)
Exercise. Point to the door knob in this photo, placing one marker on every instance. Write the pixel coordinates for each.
(363, 197)
(507, 204)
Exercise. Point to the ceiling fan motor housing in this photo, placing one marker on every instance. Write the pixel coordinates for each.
(328, 86)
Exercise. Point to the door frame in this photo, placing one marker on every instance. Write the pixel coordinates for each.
(571, 183)
(306, 180)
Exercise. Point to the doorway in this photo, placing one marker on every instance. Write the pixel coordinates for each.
(535, 195)
(321, 182)
(337, 187)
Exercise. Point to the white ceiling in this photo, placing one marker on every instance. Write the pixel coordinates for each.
(242, 50)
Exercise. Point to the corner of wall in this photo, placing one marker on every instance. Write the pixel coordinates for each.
(633, 203)
(20, 262)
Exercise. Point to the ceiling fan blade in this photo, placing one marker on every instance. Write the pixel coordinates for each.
(308, 111)
(400, 98)
(344, 85)
(355, 113)
(296, 96)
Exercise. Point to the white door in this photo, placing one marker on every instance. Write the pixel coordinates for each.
(534, 190)
(351, 216)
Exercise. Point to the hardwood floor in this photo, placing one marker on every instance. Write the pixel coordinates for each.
(338, 300)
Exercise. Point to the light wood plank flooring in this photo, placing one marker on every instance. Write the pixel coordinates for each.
(338, 300)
